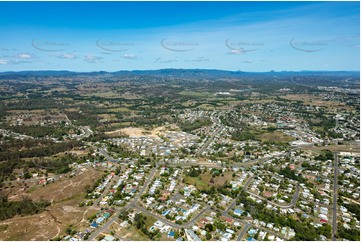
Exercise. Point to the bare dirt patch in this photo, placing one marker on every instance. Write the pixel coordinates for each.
(67, 187)
(141, 132)
(65, 196)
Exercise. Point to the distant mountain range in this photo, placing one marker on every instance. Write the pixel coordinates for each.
(178, 73)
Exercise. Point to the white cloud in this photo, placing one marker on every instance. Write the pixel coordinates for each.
(161, 60)
(130, 56)
(3, 62)
(240, 51)
(92, 59)
(68, 56)
(24, 56)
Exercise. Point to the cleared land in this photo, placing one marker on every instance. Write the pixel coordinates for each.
(205, 180)
(141, 132)
(65, 196)
(276, 137)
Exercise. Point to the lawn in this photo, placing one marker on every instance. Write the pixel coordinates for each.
(199, 183)
(203, 181)
(275, 136)
(131, 234)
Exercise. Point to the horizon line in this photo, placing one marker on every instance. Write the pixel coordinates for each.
(185, 69)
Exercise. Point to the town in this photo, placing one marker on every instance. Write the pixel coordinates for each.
(109, 159)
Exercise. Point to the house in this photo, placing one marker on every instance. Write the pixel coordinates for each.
(226, 237)
(124, 224)
(106, 215)
(158, 224)
(94, 225)
(252, 231)
(203, 221)
(236, 224)
(230, 231)
(192, 236)
(238, 212)
(228, 220)
(100, 220)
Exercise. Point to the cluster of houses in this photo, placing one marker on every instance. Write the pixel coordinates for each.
(182, 205)
(101, 218)
(41, 119)
(177, 202)
(285, 232)
(7, 133)
(174, 207)
(240, 180)
(99, 189)
(346, 125)
(169, 144)
(350, 184)
(193, 115)
(268, 185)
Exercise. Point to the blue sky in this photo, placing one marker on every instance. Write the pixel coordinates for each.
(112, 36)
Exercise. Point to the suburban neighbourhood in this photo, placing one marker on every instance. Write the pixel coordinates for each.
(180, 121)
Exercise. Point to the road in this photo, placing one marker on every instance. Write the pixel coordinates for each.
(290, 205)
(257, 227)
(105, 154)
(295, 196)
(189, 224)
(104, 227)
(115, 216)
(209, 140)
(146, 184)
(335, 187)
(235, 200)
(106, 190)
(244, 230)
(162, 219)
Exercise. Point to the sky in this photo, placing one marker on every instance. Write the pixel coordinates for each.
(113, 36)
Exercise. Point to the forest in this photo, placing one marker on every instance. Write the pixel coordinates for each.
(25, 206)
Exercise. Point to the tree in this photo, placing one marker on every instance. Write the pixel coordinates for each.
(139, 220)
(25, 206)
(209, 227)
(101, 237)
